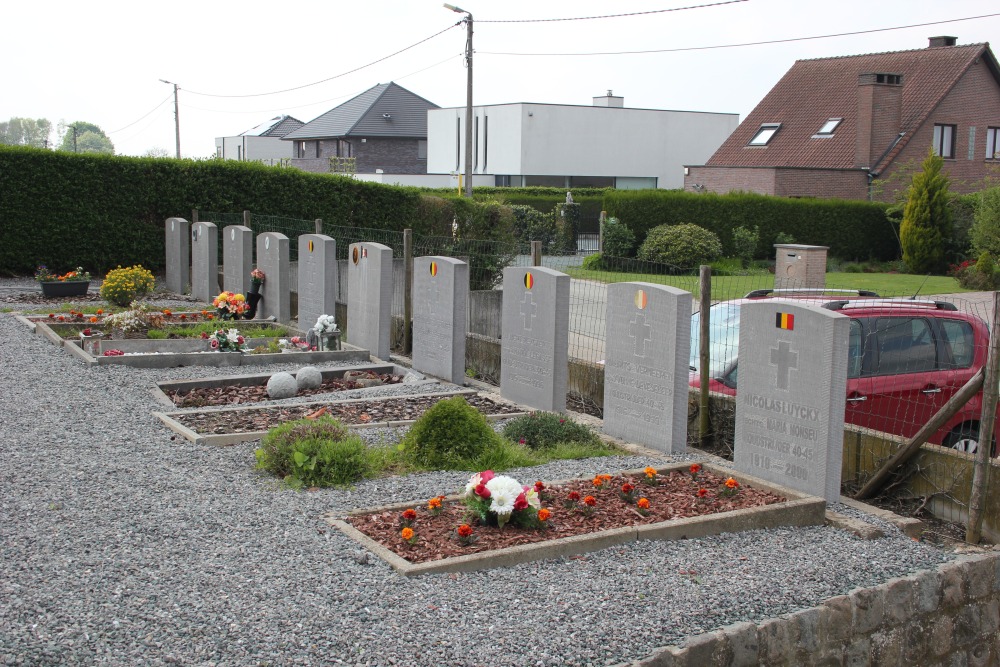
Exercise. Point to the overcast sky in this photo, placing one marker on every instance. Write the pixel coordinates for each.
(102, 62)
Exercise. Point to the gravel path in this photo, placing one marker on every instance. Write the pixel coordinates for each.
(121, 546)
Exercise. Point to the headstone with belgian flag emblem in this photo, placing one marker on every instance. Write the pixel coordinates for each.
(369, 297)
(318, 278)
(440, 312)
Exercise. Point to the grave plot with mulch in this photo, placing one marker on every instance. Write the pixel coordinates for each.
(234, 394)
(354, 412)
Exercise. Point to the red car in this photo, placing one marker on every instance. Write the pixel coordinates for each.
(907, 358)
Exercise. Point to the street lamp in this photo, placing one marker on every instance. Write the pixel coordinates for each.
(468, 99)
(177, 117)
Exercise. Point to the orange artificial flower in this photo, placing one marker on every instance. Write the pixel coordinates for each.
(210, 316)
(406, 533)
(434, 503)
(650, 472)
(166, 311)
(183, 316)
(732, 483)
(598, 481)
(543, 514)
(100, 311)
(643, 503)
(61, 318)
(465, 530)
(93, 320)
(590, 501)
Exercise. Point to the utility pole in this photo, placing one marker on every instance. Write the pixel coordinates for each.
(73, 127)
(177, 117)
(468, 98)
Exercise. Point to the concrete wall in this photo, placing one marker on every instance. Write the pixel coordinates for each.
(253, 148)
(934, 618)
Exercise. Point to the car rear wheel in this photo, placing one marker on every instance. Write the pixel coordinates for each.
(965, 438)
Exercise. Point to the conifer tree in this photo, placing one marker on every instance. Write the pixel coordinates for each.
(926, 225)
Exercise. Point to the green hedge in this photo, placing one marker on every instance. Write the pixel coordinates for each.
(851, 229)
(98, 211)
(544, 200)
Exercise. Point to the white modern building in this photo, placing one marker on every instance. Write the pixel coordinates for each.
(260, 144)
(561, 145)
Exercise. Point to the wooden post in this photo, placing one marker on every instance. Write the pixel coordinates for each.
(981, 475)
(536, 253)
(407, 291)
(912, 446)
(194, 215)
(600, 231)
(246, 218)
(318, 226)
(704, 310)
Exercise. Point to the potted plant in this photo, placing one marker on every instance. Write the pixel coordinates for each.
(71, 283)
(230, 306)
(253, 294)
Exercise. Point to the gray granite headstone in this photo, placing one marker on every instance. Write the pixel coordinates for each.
(440, 310)
(272, 259)
(204, 261)
(237, 258)
(178, 269)
(646, 365)
(317, 278)
(534, 338)
(791, 395)
(369, 297)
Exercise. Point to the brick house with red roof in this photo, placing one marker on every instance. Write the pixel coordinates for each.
(841, 127)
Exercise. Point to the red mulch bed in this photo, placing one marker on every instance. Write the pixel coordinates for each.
(240, 394)
(673, 497)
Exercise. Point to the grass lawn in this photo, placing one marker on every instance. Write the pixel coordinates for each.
(732, 287)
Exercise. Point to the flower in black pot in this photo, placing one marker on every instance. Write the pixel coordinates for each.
(256, 280)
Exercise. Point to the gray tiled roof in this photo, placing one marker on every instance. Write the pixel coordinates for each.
(365, 115)
(278, 126)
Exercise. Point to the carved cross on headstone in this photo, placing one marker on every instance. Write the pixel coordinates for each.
(640, 333)
(785, 359)
(528, 309)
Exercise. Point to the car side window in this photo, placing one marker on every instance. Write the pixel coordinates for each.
(960, 343)
(855, 350)
(904, 345)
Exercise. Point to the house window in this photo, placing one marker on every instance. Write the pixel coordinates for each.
(764, 134)
(475, 149)
(458, 144)
(344, 148)
(421, 149)
(992, 143)
(300, 149)
(944, 140)
(486, 140)
(828, 127)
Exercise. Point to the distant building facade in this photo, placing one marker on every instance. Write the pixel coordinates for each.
(260, 144)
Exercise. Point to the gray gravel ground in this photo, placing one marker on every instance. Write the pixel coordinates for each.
(122, 546)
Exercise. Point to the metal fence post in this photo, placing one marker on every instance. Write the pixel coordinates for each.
(407, 291)
(600, 231)
(704, 307)
(536, 253)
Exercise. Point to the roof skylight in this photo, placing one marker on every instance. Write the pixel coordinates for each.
(764, 134)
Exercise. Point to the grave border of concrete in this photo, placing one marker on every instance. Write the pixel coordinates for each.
(799, 509)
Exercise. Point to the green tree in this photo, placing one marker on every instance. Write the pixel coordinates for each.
(25, 132)
(985, 231)
(83, 137)
(926, 226)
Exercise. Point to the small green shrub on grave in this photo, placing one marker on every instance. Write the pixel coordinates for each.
(320, 452)
(684, 246)
(449, 436)
(544, 430)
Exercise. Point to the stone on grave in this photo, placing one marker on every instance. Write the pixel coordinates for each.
(646, 365)
(272, 259)
(369, 297)
(237, 258)
(413, 377)
(317, 285)
(792, 394)
(204, 261)
(309, 377)
(282, 385)
(178, 269)
(535, 336)
(440, 311)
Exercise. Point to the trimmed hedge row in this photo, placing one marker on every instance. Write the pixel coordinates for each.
(851, 229)
(99, 211)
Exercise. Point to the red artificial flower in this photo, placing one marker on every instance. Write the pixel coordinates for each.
(482, 491)
(183, 316)
(410, 514)
(627, 488)
(214, 343)
(86, 332)
(204, 335)
(539, 487)
(702, 493)
(520, 502)
(486, 476)
(51, 315)
(239, 340)
(61, 318)
(695, 468)
(574, 495)
(465, 530)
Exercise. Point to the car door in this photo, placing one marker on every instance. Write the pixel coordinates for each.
(908, 382)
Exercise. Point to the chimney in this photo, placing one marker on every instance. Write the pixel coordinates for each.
(880, 98)
(609, 100)
(943, 40)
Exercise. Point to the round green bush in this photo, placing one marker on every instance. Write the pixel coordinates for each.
(684, 246)
(619, 241)
(321, 452)
(542, 430)
(123, 286)
(449, 435)
(593, 262)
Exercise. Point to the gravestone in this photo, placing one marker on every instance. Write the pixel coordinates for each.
(272, 259)
(178, 269)
(791, 395)
(317, 278)
(369, 297)
(535, 336)
(440, 311)
(646, 365)
(237, 258)
(204, 261)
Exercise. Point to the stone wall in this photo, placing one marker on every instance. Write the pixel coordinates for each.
(933, 618)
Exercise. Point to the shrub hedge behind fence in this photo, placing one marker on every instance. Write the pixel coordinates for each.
(851, 229)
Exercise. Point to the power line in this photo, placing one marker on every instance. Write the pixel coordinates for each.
(143, 116)
(612, 16)
(731, 46)
(337, 76)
